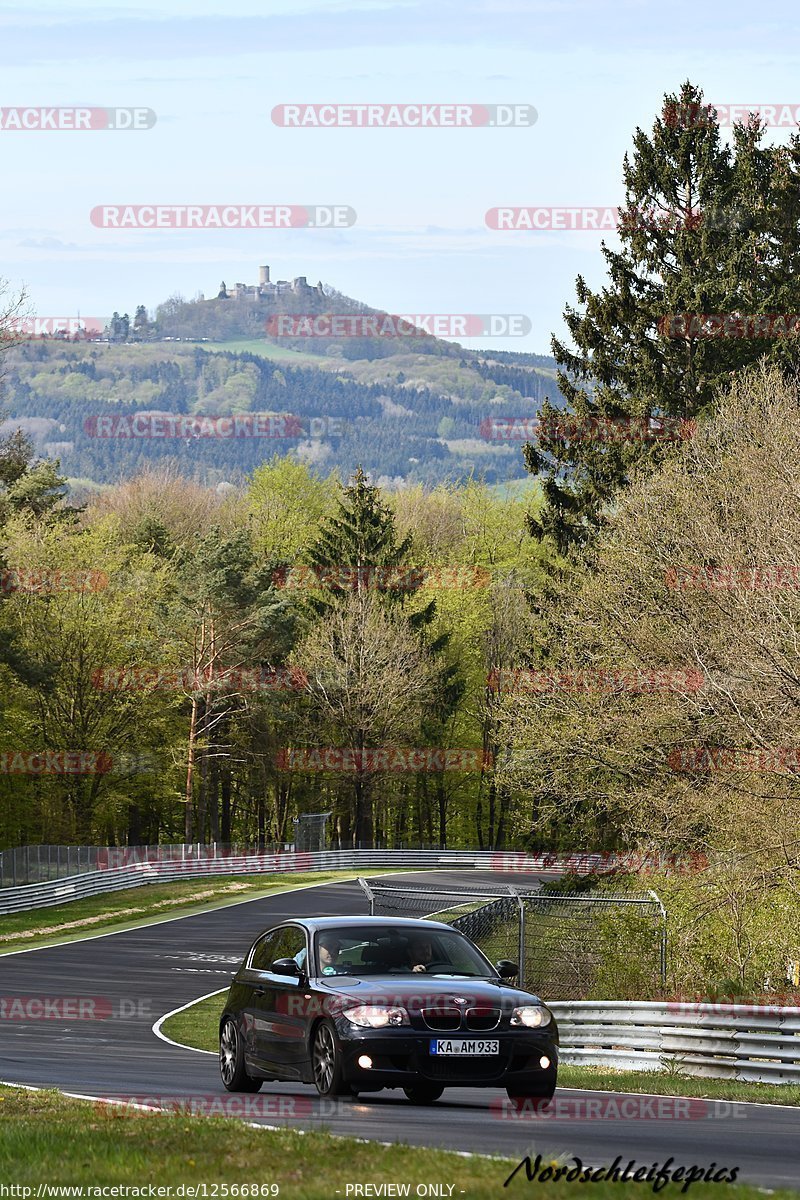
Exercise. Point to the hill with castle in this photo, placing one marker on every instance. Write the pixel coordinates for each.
(409, 410)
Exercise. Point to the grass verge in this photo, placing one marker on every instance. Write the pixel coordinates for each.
(668, 1083)
(49, 1138)
(133, 906)
(198, 1026)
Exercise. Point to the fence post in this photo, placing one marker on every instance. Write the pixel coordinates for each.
(663, 939)
(521, 943)
(368, 892)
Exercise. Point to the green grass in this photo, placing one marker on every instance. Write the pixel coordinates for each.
(133, 906)
(667, 1083)
(277, 353)
(49, 1138)
(198, 1026)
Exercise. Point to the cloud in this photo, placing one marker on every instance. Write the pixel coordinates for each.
(112, 35)
(49, 243)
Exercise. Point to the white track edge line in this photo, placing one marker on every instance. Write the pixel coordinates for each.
(156, 1027)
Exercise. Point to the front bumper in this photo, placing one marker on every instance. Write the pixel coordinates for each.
(402, 1058)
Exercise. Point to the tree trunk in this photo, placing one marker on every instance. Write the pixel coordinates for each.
(225, 798)
(189, 796)
(441, 798)
(213, 798)
(134, 836)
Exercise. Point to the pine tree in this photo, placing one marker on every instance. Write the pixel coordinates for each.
(706, 229)
(358, 552)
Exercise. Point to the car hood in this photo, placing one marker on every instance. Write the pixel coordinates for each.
(426, 991)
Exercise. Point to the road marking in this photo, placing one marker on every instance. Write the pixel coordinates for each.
(156, 1027)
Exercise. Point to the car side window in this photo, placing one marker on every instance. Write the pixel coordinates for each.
(289, 944)
(264, 954)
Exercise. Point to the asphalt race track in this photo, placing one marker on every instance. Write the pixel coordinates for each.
(139, 975)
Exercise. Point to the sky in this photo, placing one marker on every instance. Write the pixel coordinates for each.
(212, 71)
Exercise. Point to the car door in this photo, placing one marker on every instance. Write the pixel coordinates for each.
(256, 979)
(281, 1007)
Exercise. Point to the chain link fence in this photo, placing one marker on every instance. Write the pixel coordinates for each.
(568, 945)
(310, 832)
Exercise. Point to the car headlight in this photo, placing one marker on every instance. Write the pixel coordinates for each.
(373, 1016)
(531, 1016)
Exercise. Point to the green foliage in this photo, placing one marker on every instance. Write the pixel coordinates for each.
(706, 228)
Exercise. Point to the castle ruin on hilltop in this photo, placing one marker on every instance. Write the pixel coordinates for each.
(264, 290)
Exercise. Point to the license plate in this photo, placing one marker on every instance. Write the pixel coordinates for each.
(464, 1047)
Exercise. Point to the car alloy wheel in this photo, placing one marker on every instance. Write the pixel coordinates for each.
(326, 1060)
(231, 1060)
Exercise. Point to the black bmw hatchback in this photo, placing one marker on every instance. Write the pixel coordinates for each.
(364, 1003)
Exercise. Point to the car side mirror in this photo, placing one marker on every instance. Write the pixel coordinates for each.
(286, 966)
(506, 969)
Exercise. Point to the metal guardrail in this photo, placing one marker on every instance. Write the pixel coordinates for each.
(22, 865)
(745, 1042)
(95, 883)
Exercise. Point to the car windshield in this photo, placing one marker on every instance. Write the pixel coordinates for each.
(393, 950)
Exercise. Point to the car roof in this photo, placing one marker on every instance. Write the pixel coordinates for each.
(317, 924)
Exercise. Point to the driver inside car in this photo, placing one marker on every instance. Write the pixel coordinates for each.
(328, 949)
(420, 952)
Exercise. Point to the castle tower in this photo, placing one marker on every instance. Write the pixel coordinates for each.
(263, 275)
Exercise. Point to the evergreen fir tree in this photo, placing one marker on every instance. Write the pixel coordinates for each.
(706, 229)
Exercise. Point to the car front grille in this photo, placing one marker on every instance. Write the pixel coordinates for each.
(442, 1020)
(482, 1019)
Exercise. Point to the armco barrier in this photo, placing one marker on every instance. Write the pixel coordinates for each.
(750, 1043)
(95, 883)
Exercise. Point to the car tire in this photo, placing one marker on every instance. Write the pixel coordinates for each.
(231, 1060)
(423, 1093)
(326, 1062)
